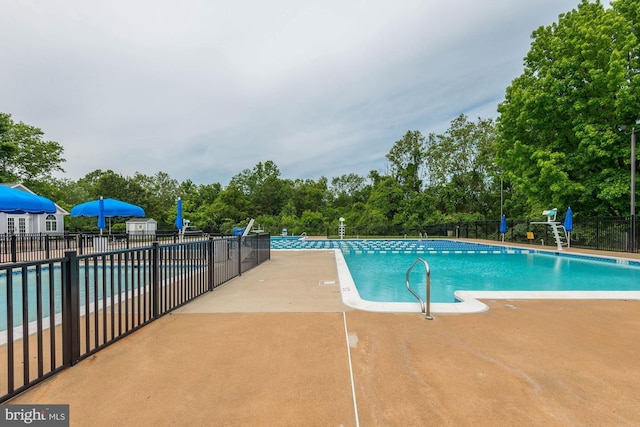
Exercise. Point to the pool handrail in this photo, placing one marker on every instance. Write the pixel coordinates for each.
(425, 306)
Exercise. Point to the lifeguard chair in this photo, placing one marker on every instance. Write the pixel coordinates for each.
(551, 214)
(556, 227)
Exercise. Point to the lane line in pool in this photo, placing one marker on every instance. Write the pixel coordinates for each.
(353, 387)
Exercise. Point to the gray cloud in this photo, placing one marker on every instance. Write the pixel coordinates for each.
(204, 89)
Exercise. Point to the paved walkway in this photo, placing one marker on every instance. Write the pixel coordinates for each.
(276, 347)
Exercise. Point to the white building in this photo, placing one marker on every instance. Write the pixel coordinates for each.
(142, 226)
(31, 223)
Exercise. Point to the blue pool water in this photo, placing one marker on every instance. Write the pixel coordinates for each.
(378, 268)
(381, 277)
(119, 286)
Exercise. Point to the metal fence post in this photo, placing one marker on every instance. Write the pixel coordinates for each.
(255, 248)
(70, 310)
(155, 280)
(14, 248)
(210, 262)
(268, 246)
(635, 227)
(239, 255)
(633, 233)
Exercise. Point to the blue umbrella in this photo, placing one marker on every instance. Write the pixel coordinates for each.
(568, 220)
(111, 208)
(106, 208)
(179, 222)
(20, 202)
(503, 224)
(568, 225)
(102, 223)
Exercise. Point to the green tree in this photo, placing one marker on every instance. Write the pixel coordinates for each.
(8, 148)
(406, 159)
(288, 218)
(24, 155)
(348, 189)
(105, 184)
(264, 188)
(157, 194)
(385, 200)
(198, 205)
(312, 223)
(232, 205)
(309, 195)
(461, 167)
(415, 211)
(560, 142)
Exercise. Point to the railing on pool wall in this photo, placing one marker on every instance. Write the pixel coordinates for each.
(425, 305)
(57, 312)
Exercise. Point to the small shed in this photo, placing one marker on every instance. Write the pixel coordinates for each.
(142, 226)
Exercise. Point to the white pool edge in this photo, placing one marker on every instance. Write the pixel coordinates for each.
(469, 302)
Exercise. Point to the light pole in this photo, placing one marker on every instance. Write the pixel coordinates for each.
(633, 185)
(501, 195)
(633, 172)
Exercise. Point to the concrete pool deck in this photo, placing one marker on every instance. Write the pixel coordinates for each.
(277, 347)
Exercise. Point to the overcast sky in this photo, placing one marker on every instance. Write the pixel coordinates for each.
(202, 89)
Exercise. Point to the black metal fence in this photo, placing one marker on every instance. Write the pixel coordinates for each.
(39, 246)
(605, 233)
(56, 312)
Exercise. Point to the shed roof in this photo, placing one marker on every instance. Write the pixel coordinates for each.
(142, 220)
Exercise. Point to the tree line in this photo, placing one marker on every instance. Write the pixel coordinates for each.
(557, 142)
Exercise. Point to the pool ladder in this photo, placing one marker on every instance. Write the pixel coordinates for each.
(425, 306)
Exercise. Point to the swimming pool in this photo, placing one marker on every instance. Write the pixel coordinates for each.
(51, 293)
(372, 273)
(381, 277)
(285, 238)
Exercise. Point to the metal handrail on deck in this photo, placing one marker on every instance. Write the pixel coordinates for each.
(425, 306)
